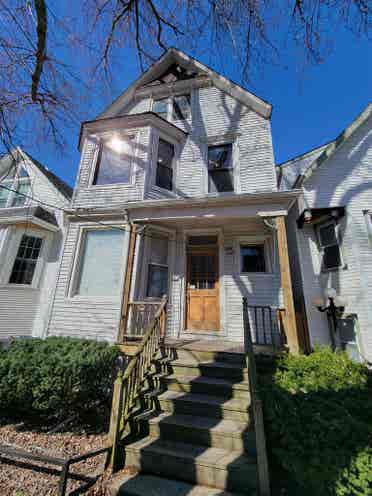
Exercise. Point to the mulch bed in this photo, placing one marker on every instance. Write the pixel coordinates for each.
(18, 479)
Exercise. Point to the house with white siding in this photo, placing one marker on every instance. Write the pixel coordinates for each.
(32, 200)
(330, 235)
(177, 195)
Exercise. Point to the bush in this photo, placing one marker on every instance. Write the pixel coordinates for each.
(56, 377)
(318, 413)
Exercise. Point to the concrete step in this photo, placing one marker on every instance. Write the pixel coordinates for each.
(222, 370)
(190, 429)
(203, 405)
(199, 355)
(208, 385)
(222, 469)
(151, 485)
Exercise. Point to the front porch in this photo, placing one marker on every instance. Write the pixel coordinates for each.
(206, 259)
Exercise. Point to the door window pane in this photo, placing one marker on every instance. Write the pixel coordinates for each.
(26, 259)
(252, 258)
(114, 162)
(101, 263)
(164, 167)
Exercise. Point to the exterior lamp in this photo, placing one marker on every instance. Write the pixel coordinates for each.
(334, 309)
(307, 216)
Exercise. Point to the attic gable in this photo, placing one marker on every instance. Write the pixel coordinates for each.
(176, 66)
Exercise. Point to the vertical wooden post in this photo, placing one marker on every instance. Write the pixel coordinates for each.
(115, 420)
(293, 338)
(127, 283)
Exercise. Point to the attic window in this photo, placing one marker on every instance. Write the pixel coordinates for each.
(15, 190)
(176, 108)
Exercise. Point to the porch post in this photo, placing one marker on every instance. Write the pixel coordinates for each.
(124, 313)
(293, 338)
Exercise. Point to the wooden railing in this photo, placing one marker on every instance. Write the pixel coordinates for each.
(256, 403)
(140, 315)
(129, 384)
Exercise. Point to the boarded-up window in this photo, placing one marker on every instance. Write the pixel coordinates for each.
(157, 279)
(329, 246)
(164, 165)
(26, 260)
(220, 168)
(114, 161)
(101, 263)
(252, 258)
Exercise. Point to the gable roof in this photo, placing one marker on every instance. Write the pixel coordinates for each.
(174, 56)
(319, 155)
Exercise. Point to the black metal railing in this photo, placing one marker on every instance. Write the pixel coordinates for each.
(266, 325)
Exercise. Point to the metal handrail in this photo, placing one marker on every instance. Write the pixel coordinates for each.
(129, 383)
(266, 325)
(262, 462)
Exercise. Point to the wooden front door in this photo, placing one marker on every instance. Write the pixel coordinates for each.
(202, 292)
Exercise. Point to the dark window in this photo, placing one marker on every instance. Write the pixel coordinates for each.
(252, 258)
(164, 166)
(160, 107)
(114, 162)
(157, 283)
(221, 177)
(26, 259)
(329, 247)
(202, 240)
(181, 107)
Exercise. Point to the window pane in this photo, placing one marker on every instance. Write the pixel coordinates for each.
(181, 107)
(25, 262)
(101, 263)
(23, 189)
(331, 257)
(164, 169)
(160, 107)
(114, 162)
(221, 180)
(4, 194)
(220, 157)
(327, 235)
(157, 284)
(202, 240)
(159, 249)
(252, 258)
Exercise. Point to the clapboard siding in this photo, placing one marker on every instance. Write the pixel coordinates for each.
(18, 307)
(345, 179)
(91, 318)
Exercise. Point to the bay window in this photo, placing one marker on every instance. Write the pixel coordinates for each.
(115, 161)
(100, 263)
(164, 165)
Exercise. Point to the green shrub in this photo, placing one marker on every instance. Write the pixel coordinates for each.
(318, 413)
(55, 377)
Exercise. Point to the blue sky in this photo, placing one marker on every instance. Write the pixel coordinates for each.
(311, 104)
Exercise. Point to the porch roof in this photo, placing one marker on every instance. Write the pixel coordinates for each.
(29, 215)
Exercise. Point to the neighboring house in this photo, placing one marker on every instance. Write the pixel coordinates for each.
(332, 227)
(31, 233)
(186, 156)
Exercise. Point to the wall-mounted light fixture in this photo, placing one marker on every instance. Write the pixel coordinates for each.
(334, 309)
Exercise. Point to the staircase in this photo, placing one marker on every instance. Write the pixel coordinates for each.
(201, 440)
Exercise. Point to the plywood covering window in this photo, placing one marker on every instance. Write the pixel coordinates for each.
(114, 163)
(157, 278)
(26, 259)
(100, 263)
(16, 189)
(220, 168)
(164, 165)
(329, 246)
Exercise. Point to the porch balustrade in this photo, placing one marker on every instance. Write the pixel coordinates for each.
(266, 325)
(140, 315)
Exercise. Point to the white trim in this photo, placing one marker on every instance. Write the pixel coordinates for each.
(265, 241)
(317, 227)
(155, 137)
(17, 219)
(169, 96)
(368, 220)
(219, 141)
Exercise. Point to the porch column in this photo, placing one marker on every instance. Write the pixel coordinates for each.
(292, 334)
(127, 283)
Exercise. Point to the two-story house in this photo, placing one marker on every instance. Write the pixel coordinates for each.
(32, 200)
(330, 236)
(177, 194)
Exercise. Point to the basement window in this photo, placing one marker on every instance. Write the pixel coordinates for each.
(329, 246)
(164, 165)
(220, 168)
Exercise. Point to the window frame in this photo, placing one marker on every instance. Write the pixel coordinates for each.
(10, 245)
(265, 242)
(225, 169)
(156, 136)
(169, 99)
(96, 162)
(321, 248)
(15, 182)
(223, 139)
(76, 263)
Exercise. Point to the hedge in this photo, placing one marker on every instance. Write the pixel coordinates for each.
(318, 419)
(56, 377)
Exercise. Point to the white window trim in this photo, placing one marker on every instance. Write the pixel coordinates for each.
(133, 169)
(266, 242)
(156, 136)
(10, 249)
(15, 181)
(76, 264)
(318, 226)
(216, 141)
(368, 220)
(169, 99)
